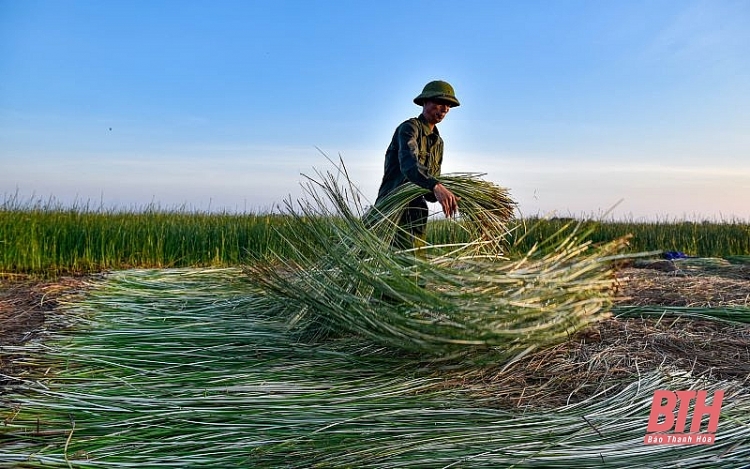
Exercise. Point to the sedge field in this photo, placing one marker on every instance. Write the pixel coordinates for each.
(51, 240)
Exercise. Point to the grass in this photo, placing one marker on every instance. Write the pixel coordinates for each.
(468, 301)
(48, 239)
(325, 354)
(700, 239)
(158, 374)
(739, 314)
(53, 240)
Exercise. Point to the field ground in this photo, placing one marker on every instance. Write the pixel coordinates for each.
(608, 355)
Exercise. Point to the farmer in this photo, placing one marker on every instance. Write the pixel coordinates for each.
(416, 155)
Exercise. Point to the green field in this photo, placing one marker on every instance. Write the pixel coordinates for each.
(44, 240)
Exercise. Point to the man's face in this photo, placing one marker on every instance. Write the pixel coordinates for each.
(435, 111)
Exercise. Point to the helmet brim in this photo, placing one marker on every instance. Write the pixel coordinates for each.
(450, 100)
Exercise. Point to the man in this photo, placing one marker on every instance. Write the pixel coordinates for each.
(416, 155)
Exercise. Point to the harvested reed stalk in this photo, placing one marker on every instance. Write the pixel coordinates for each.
(186, 369)
(464, 299)
(485, 209)
(733, 314)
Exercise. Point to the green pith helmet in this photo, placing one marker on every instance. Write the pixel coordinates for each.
(438, 90)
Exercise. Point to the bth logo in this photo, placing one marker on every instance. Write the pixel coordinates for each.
(669, 409)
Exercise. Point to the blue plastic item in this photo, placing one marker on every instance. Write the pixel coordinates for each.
(671, 255)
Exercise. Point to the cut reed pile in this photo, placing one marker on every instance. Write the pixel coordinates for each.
(462, 300)
(185, 368)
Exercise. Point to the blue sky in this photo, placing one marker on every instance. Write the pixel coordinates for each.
(573, 105)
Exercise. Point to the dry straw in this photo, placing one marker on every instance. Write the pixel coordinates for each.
(446, 301)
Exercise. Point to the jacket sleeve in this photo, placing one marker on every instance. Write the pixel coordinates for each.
(408, 157)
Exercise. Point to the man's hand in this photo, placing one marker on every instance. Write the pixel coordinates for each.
(446, 198)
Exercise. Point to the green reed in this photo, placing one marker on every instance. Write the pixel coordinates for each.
(700, 239)
(51, 240)
(184, 368)
(47, 238)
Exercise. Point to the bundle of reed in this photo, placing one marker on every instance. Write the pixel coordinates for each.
(486, 210)
(458, 300)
